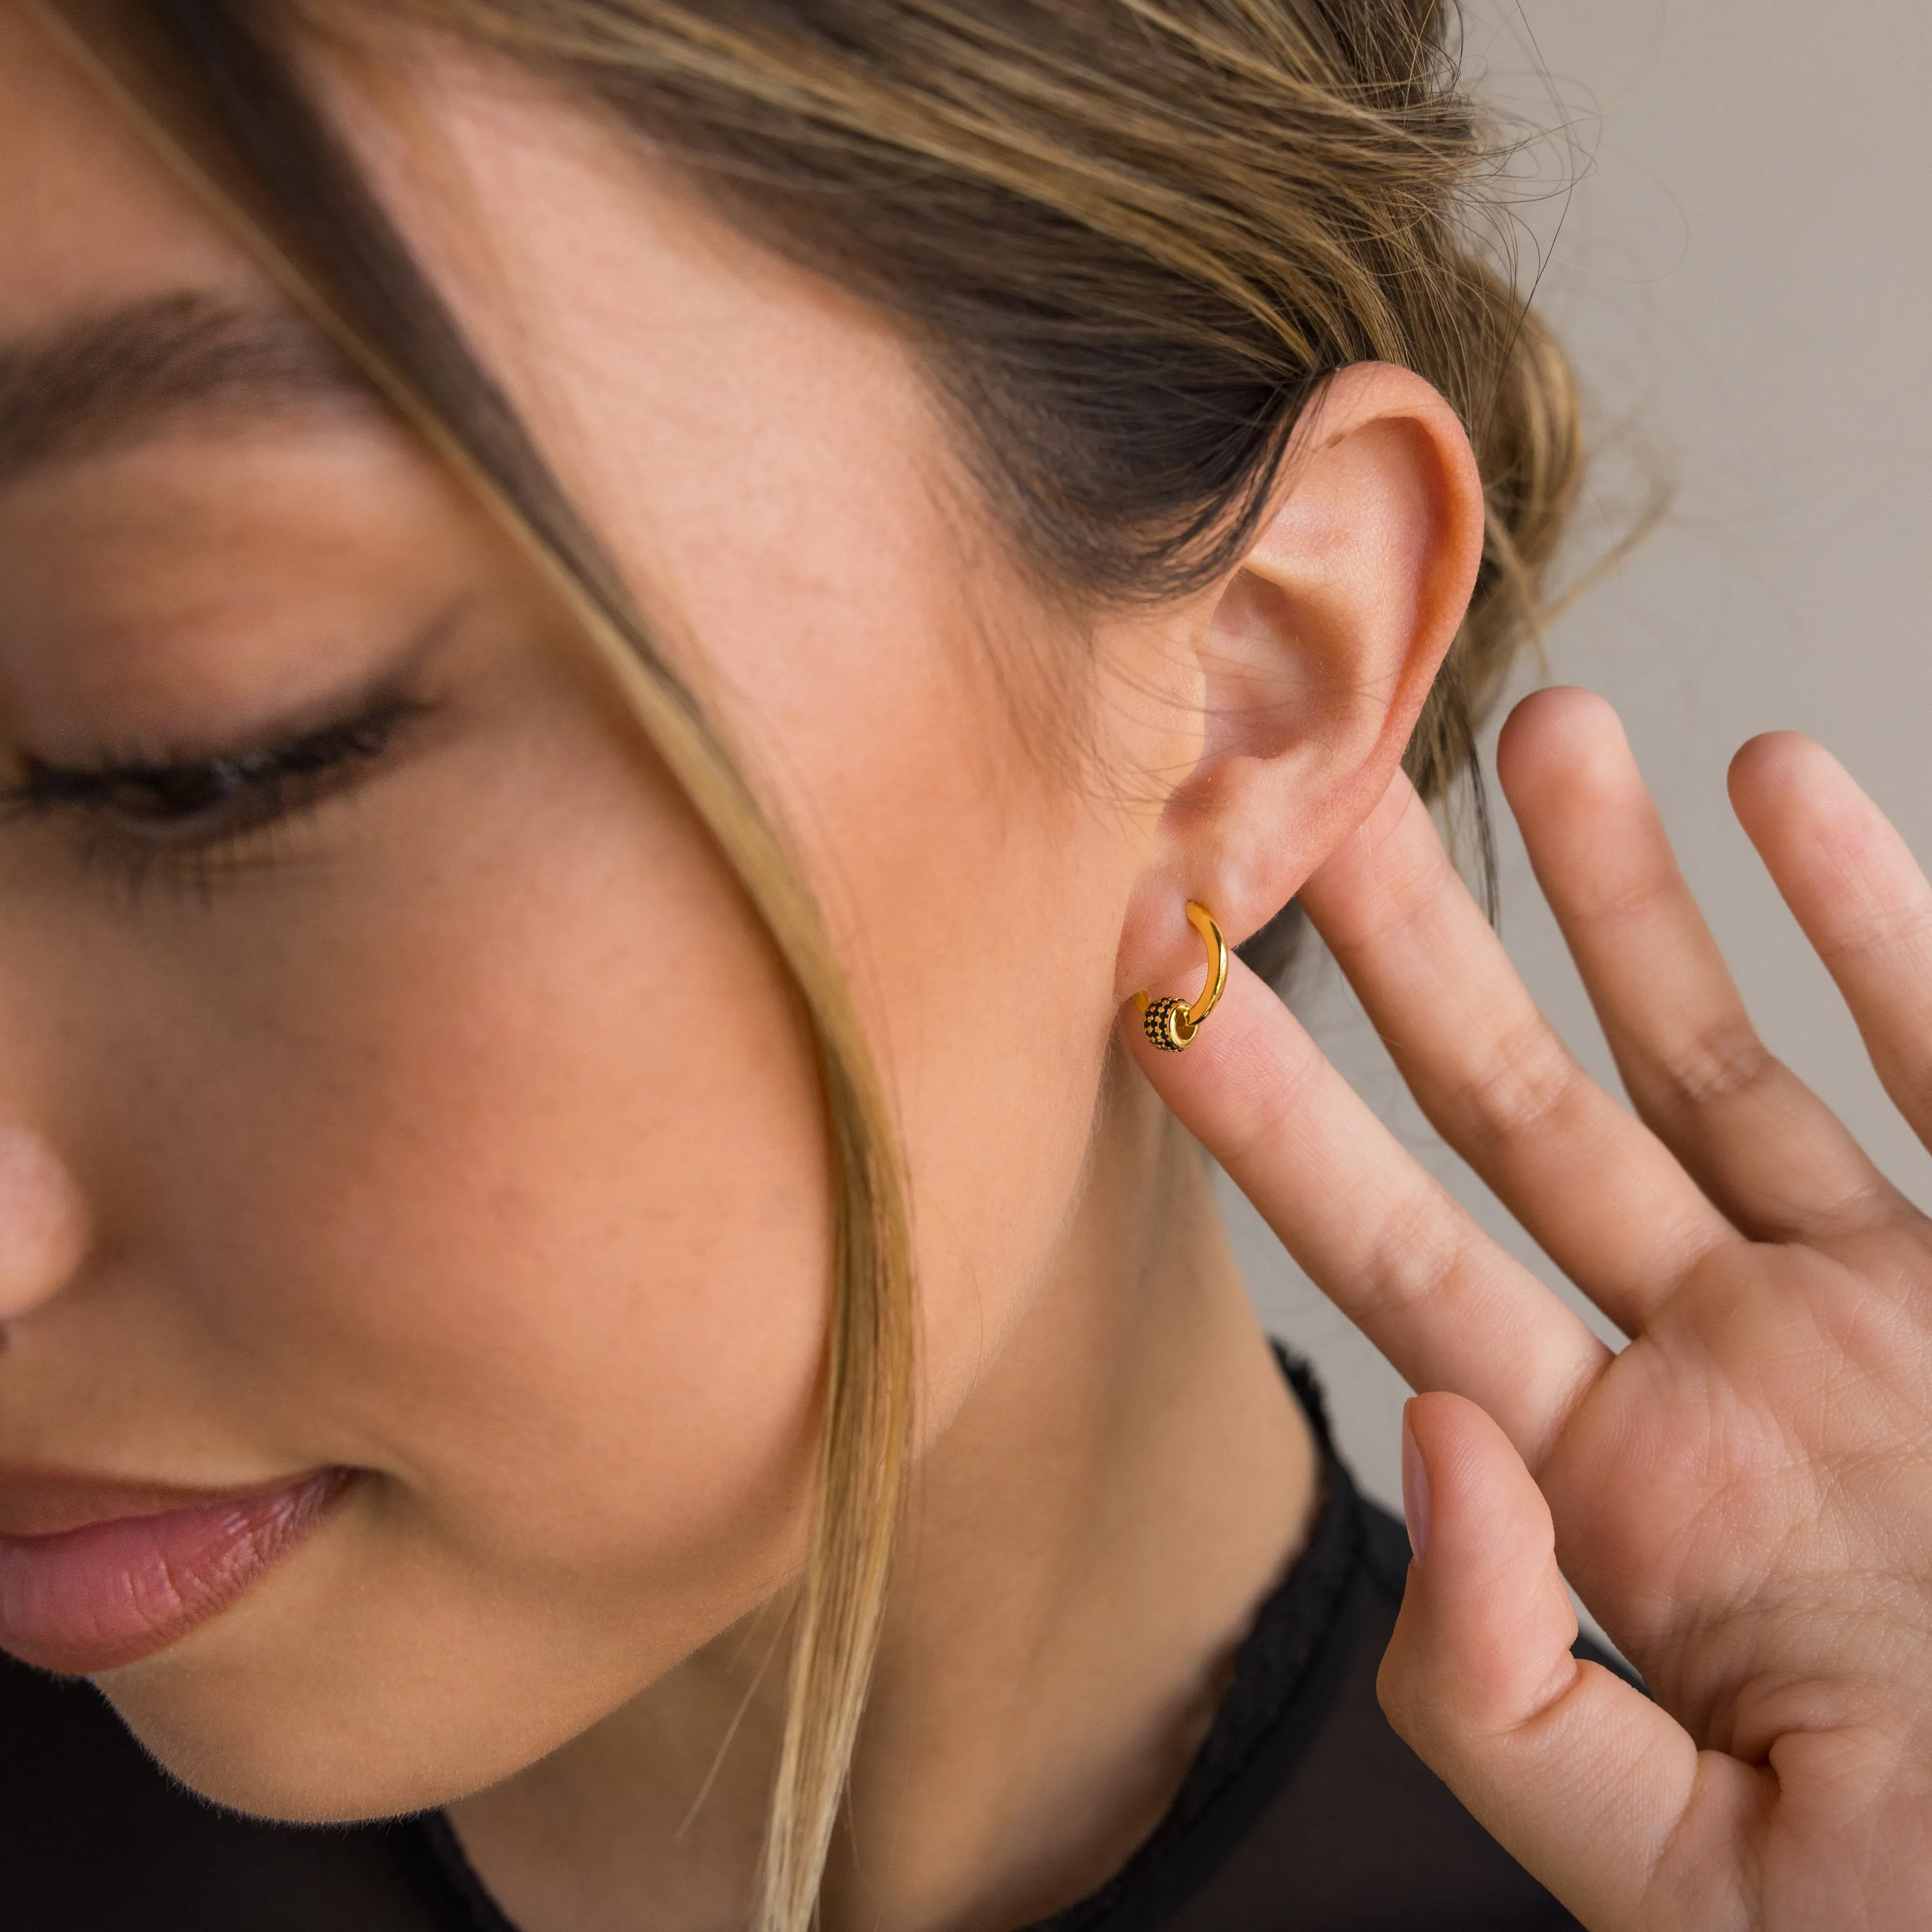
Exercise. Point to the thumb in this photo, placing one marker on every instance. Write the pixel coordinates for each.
(1596, 1790)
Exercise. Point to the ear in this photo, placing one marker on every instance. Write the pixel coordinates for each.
(1312, 660)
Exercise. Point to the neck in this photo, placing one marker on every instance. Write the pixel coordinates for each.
(1085, 1547)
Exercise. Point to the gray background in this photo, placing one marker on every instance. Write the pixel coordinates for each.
(1741, 269)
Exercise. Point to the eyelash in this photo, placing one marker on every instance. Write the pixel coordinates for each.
(190, 815)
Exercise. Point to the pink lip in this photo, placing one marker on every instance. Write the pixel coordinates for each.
(95, 1594)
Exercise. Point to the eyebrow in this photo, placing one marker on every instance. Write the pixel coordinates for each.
(112, 378)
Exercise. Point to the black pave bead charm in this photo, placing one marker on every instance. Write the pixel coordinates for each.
(1166, 1024)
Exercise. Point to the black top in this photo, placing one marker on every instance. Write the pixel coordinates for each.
(1303, 1811)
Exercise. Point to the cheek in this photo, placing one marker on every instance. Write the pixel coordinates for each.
(498, 1173)
(558, 1176)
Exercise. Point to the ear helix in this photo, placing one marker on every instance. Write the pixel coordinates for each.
(1171, 1024)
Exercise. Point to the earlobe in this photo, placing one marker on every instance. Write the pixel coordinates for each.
(1319, 652)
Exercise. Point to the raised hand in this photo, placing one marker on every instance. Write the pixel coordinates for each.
(1743, 1495)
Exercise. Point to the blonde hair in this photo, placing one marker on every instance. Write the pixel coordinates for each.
(1132, 237)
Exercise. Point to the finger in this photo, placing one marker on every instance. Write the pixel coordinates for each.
(1373, 1230)
(1604, 1196)
(1763, 1147)
(1598, 1792)
(1855, 888)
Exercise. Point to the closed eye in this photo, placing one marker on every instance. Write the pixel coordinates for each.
(195, 804)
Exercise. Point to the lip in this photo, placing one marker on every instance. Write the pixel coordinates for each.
(96, 1574)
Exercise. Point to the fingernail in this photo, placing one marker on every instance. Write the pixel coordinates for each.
(1414, 1491)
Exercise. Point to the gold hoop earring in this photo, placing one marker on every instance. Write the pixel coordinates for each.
(1171, 1024)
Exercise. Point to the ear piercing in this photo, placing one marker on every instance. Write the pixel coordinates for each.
(1171, 1024)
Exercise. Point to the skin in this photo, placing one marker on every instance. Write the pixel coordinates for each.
(1742, 1492)
(385, 1139)
(381, 1138)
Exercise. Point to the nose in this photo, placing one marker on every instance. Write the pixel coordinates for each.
(43, 1232)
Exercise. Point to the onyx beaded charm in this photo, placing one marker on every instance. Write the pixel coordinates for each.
(1172, 1024)
(1167, 1025)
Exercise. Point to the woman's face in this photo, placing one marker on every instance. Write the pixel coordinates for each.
(414, 1095)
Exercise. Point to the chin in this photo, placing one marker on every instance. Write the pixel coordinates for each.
(308, 1703)
(369, 1677)
(286, 1761)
